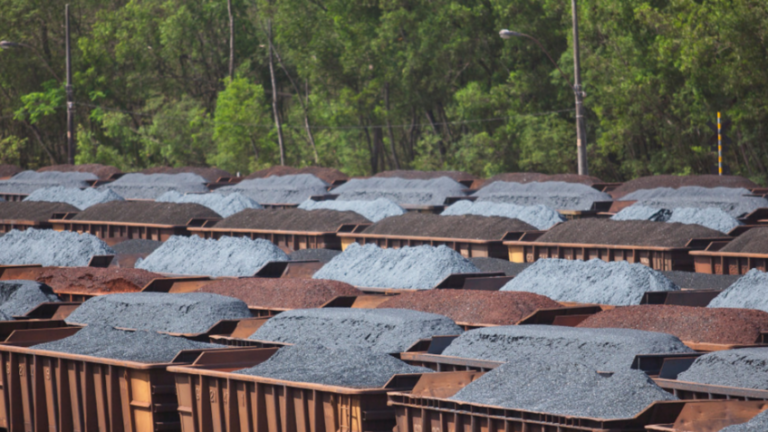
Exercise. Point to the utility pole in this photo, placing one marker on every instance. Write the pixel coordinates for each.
(70, 95)
(231, 41)
(581, 121)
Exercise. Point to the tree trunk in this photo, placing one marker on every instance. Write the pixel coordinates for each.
(231, 41)
(275, 111)
(389, 128)
(307, 125)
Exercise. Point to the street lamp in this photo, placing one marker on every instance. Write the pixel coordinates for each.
(68, 88)
(581, 120)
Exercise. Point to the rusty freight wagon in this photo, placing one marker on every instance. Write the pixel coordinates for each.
(746, 252)
(470, 235)
(212, 398)
(289, 229)
(659, 245)
(30, 214)
(46, 390)
(428, 407)
(117, 221)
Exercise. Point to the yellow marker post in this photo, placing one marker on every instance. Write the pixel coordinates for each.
(719, 147)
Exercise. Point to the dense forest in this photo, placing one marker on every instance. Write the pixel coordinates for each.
(369, 85)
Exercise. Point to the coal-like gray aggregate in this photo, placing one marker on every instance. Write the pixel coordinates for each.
(228, 256)
(641, 212)
(489, 265)
(357, 368)
(743, 368)
(700, 280)
(139, 346)
(50, 248)
(603, 349)
(540, 216)
(171, 313)
(555, 195)
(616, 283)
(322, 255)
(748, 292)
(401, 191)
(759, 423)
(379, 330)
(80, 198)
(420, 267)
(151, 186)
(225, 205)
(289, 189)
(564, 387)
(711, 217)
(374, 211)
(730, 200)
(17, 297)
(26, 182)
(136, 246)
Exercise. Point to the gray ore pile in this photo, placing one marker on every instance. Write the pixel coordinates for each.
(289, 189)
(50, 248)
(402, 191)
(26, 182)
(151, 186)
(375, 210)
(228, 256)
(170, 313)
(742, 368)
(17, 297)
(420, 267)
(730, 200)
(138, 346)
(712, 218)
(80, 198)
(564, 387)
(617, 283)
(748, 292)
(541, 217)
(379, 330)
(555, 195)
(225, 205)
(357, 368)
(606, 350)
(700, 280)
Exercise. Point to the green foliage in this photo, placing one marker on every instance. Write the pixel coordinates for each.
(429, 80)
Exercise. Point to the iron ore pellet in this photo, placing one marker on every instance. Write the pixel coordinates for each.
(743, 368)
(169, 313)
(357, 368)
(380, 330)
(564, 387)
(607, 350)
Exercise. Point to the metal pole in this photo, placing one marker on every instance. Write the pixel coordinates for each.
(719, 147)
(70, 95)
(581, 121)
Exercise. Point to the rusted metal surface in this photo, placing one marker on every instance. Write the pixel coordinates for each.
(658, 258)
(420, 412)
(564, 316)
(712, 261)
(289, 269)
(680, 298)
(490, 281)
(672, 366)
(13, 197)
(211, 398)
(51, 391)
